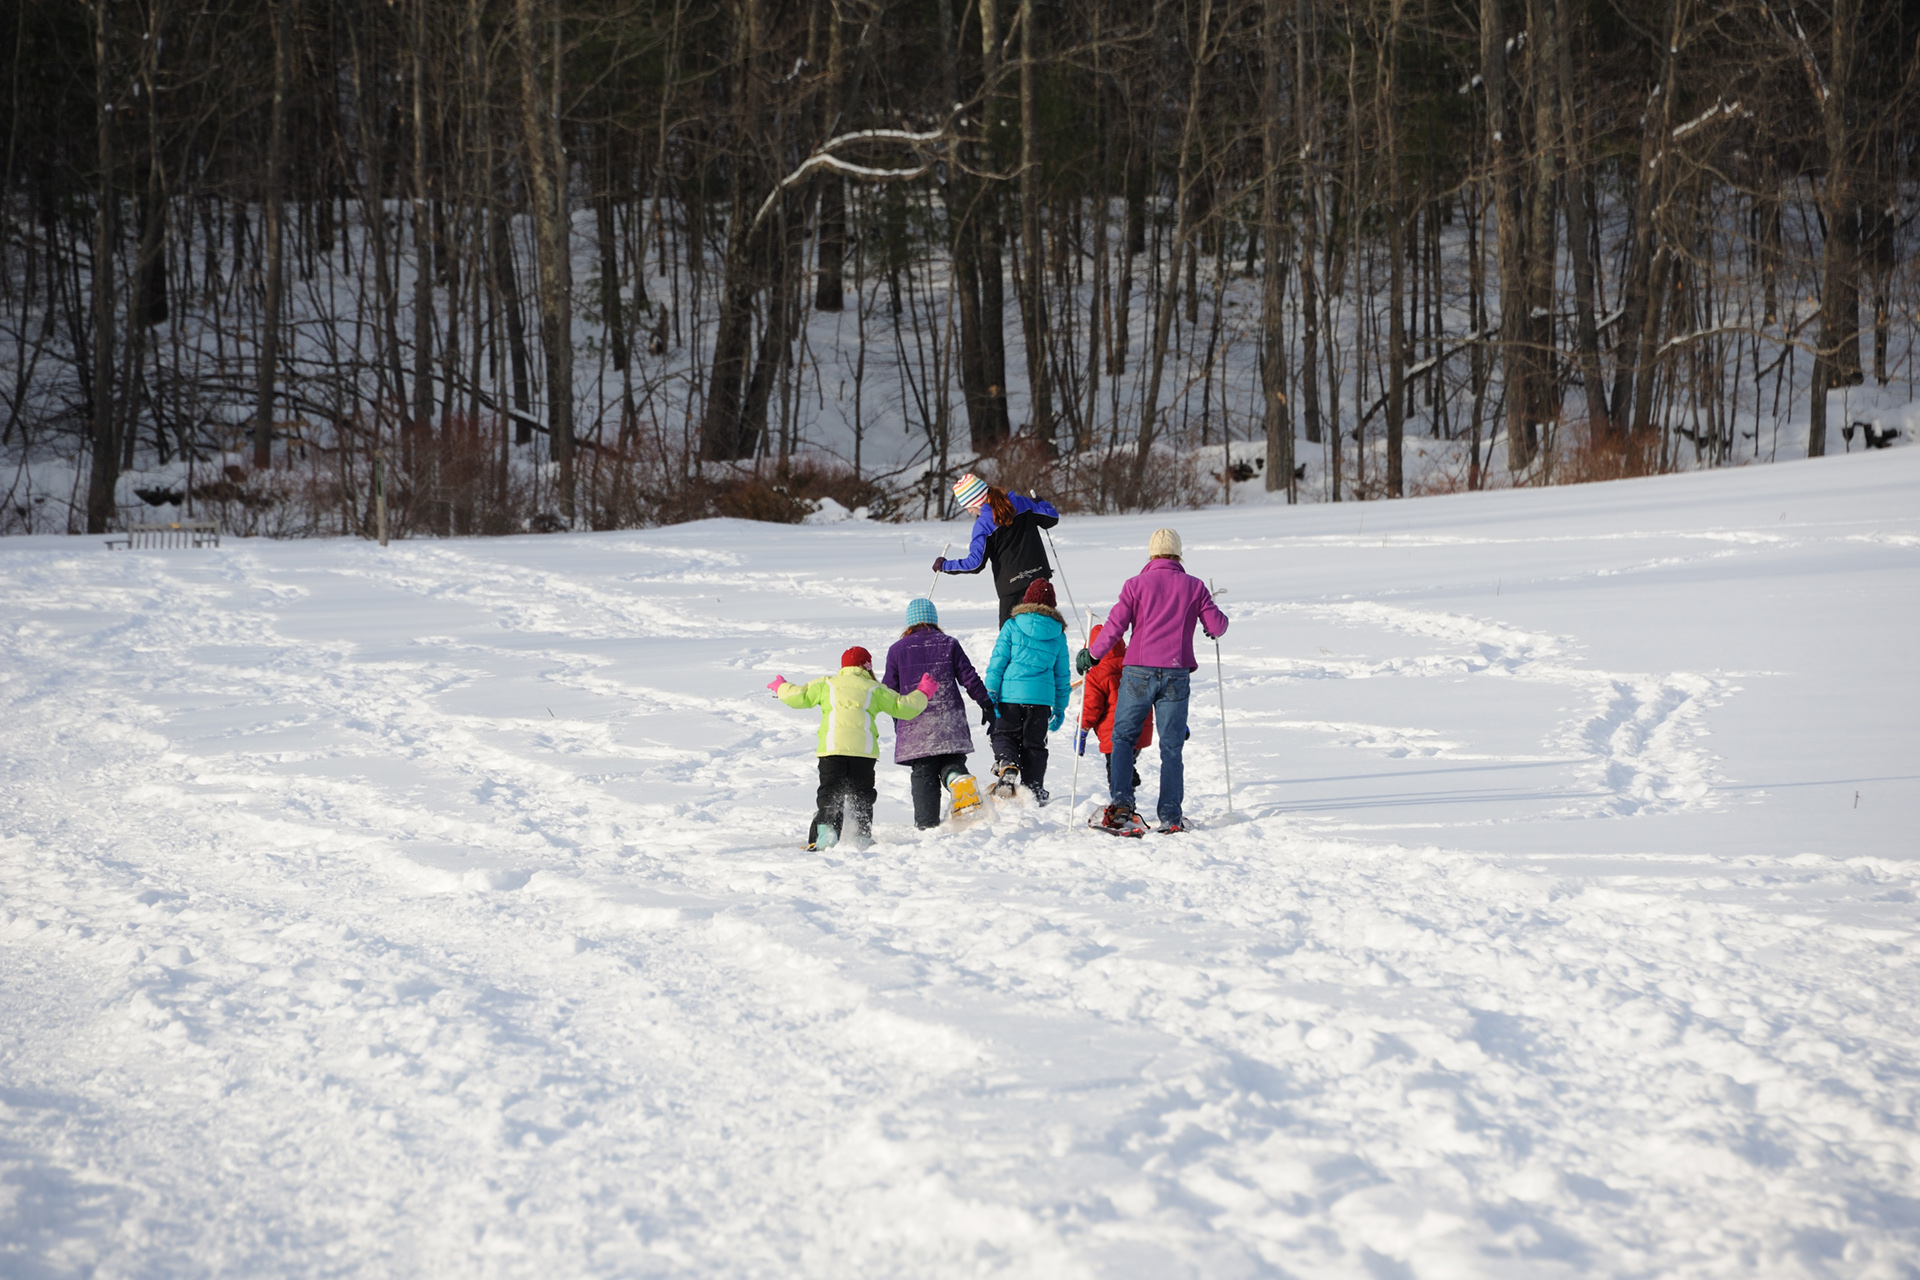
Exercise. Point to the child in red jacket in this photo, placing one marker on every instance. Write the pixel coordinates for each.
(1097, 702)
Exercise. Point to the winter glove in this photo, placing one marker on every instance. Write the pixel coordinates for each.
(1080, 743)
(987, 716)
(928, 685)
(774, 684)
(1058, 718)
(1083, 661)
(939, 564)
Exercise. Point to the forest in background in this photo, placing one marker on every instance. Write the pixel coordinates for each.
(483, 265)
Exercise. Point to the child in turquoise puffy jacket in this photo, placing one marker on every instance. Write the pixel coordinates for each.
(1028, 678)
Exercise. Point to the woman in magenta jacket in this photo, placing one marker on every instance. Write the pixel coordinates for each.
(1160, 604)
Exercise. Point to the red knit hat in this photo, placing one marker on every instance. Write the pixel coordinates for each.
(1039, 591)
(857, 657)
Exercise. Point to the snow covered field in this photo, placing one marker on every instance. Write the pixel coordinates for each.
(440, 910)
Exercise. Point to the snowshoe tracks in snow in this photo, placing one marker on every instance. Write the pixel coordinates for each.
(1638, 737)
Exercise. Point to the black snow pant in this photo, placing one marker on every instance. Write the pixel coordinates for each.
(1010, 600)
(929, 776)
(1108, 758)
(1020, 735)
(846, 791)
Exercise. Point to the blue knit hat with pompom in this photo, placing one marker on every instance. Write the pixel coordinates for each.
(922, 611)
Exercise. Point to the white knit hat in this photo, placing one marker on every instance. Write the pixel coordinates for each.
(1164, 542)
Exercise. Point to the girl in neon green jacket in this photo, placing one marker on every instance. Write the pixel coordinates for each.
(849, 739)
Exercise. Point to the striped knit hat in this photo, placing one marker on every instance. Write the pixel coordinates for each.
(970, 490)
(920, 611)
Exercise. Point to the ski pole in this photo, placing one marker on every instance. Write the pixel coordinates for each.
(936, 573)
(1220, 682)
(1073, 797)
(1225, 761)
(1061, 570)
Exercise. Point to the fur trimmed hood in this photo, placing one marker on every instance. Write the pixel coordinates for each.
(1044, 610)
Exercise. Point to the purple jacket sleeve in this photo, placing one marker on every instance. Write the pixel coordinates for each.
(1118, 620)
(1044, 514)
(1212, 621)
(892, 678)
(969, 678)
(976, 557)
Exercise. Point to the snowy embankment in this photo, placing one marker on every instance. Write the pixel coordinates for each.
(440, 910)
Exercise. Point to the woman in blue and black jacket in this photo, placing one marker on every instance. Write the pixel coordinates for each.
(1006, 533)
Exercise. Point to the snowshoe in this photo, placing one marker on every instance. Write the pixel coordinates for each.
(965, 790)
(824, 837)
(1006, 780)
(1177, 827)
(1118, 820)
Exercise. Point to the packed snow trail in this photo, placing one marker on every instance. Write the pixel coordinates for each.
(440, 910)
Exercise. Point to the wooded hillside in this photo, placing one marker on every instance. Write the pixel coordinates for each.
(1597, 235)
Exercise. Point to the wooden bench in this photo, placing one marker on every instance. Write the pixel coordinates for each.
(183, 533)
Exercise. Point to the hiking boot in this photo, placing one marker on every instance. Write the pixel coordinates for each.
(1173, 828)
(1119, 820)
(1040, 794)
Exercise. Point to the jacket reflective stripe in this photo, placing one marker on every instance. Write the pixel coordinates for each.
(833, 724)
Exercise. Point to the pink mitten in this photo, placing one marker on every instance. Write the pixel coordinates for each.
(928, 685)
(775, 683)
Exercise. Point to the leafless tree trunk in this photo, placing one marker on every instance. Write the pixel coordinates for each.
(1833, 364)
(507, 282)
(1633, 376)
(1578, 186)
(1273, 349)
(423, 247)
(104, 476)
(281, 15)
(1033, 301)
(1504, 153)
(830, 244)
(725, 434)
(987, 263)
(1306, 116)
(612, 308)
(547, 188)
(1397, 260)
(1542, 247)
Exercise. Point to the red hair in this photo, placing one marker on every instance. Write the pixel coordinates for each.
(1003, 512)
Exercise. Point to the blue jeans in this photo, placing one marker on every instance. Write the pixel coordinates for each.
(1162, 693)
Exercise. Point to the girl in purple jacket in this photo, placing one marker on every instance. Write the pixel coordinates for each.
(935, 743)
